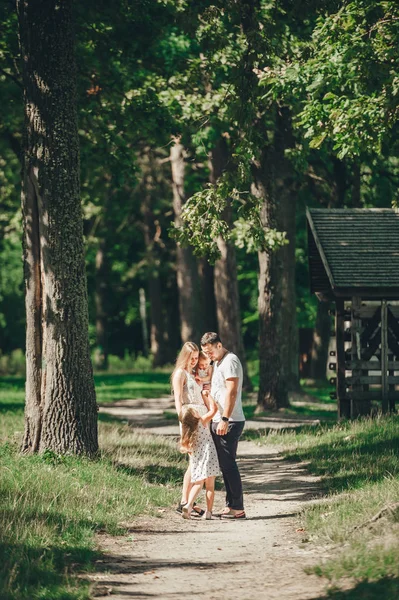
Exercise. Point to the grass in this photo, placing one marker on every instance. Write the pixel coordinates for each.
(51, 506)
(359, 466)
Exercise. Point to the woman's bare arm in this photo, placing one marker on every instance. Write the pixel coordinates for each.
(178, 383)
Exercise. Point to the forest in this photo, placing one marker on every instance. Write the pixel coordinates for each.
(159, 165)
(205, 130)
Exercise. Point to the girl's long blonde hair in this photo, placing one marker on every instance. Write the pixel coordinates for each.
(183, 358)
(189, 420)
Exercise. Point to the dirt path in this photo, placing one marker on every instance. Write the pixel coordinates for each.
(261, 557)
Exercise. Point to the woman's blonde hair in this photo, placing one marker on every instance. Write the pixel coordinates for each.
(183, 358)
(189, 419)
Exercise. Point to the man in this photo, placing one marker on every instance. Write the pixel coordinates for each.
(229, 421)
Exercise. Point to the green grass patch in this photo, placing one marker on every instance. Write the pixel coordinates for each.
(110, 388)
(52, 506)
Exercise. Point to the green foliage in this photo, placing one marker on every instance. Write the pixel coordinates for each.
(344, 79)
(203, 218)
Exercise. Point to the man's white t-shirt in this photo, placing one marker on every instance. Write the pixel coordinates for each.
(229, 367)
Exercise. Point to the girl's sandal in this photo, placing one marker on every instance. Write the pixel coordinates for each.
(199, 512)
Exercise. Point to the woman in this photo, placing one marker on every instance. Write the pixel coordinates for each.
(186, 392)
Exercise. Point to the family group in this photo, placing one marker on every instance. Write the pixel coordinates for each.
(207, 388)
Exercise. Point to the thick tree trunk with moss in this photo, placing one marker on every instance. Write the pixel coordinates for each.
(225, 275)
(191, 310)
(61, 410)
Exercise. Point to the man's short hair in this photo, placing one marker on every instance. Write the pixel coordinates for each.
(210, 338)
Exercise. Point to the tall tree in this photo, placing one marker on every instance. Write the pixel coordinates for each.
(191, 311)
(152, 235)
(61, 410)
(226, 285)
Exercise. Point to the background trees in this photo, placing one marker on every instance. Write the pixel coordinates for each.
(227, 118)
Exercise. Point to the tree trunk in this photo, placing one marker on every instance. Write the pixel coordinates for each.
(143, 317)
(172, 334)
(61, 410)
(278, 344)
(225, 276)
(102, 290)
(101, 302)
(191, 311)
(158, 337)
(321, 339)
(272, 377)
(290, 336)
(207, 283)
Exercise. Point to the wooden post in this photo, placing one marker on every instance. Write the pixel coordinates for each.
(342, 402)
(384, 356)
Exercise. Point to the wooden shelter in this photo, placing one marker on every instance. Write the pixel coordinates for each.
(354, 262)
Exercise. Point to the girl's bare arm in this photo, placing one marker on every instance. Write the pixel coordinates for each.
(212, 409)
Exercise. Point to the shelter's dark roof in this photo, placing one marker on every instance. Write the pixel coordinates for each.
(354, 249)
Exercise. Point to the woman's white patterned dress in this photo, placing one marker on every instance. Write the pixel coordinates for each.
(203, 458)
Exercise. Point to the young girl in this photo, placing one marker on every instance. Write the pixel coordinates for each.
(196, 440)
(203, 372)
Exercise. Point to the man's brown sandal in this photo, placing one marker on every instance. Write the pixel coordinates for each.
(233, 515)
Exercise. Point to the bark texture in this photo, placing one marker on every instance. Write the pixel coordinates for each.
(272, 381)
(278, 337)
(225, 275)
(191, 310)
(61, 410)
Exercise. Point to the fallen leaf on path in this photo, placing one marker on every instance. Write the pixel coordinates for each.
(300, 530)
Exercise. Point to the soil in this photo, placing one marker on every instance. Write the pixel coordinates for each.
(264, 556)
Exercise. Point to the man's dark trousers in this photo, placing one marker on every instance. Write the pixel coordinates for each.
(226, 447)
